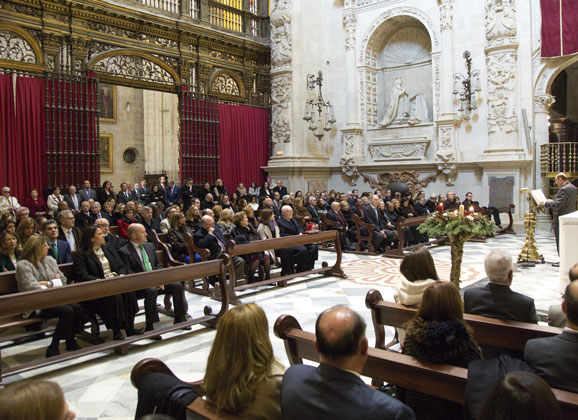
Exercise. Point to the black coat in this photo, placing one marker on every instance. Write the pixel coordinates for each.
(102, 196)
(371, 218)
(499, 301)
(289, 227)
(203, 239)
(88, 267)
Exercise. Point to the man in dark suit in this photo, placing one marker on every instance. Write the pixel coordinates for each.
(496, 299)
(59, 250)
(95, 210)
(555, 359)
(335, 215)
(421, 207)
(140, 256)
(143, 193)
(84, 217)
(68, 231)
(431, 203)
(451, 203)
(280, 189)
(146, 219)
(73, 199)
(381, 236)
(124, 195)
(172, 193)
(312, 209)
(86, 193)
(334, 390)
(208, 202)
(188, 194)
(209, 236)
(111, 239)
(303, 255)
(563, 203)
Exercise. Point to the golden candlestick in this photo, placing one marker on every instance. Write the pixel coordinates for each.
(530, 252)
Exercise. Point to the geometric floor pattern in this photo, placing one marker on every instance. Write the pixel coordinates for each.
(98, 386)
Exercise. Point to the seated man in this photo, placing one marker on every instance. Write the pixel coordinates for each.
(140, 256)
(67, 231)
(452, 202)
(421, 207)
(556, 317)
(209, 236)
(208, 202)
(95, 210)
(555, 359)
(59, 250)
(84, 217)
(8, 203)
(431, 203)
(381, 236)
(312, 209)
(303, 255)
(165, 224)
(149, 222)
(335, 215)
(334, 389)
(496, 299)
(469, 203)
(111, 239)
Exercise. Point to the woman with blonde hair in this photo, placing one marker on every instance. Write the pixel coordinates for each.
(25, 229)
(193, 218)
(242, 376)
(34, 400)
(226, 221)
(216, 212)
(219, 190)
(176, 237)
(251, 216)
(35, 270)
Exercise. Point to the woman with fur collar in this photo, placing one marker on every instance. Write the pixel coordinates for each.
(439, 334)
(419, 272)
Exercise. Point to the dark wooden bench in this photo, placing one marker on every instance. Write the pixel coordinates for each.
(284, 242)
(508, 209)
(114, 230)
(361, 239)
(441, 381)
(202, 287)
(327, 225)
(510, 335)
(402, 222)
(17, 303)
(199, 407)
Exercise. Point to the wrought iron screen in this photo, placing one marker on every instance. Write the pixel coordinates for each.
(71, 130)
(199, 138)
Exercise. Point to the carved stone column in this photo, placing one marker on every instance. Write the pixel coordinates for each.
(447, 153)
(542, 104)
(502, 60)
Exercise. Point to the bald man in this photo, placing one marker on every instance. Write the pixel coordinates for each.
(557, 318)
(334, 389)
(555, 359)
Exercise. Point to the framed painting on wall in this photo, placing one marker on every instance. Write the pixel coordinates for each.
(105, 146)
(107, 102)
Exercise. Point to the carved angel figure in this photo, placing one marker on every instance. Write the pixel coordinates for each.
(397, 103)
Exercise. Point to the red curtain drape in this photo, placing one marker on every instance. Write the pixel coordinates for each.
(7, 124)
(244, 144)
(559, 22)
(27, 151)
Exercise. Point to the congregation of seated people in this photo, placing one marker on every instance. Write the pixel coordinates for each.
(243, 376)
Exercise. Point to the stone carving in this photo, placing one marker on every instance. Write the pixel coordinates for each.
(349, 168)
(135, 35)
(407, 46)
(281, 46)
(135, 68)
(437, 85)
(15, 48)
(410, 178)
(349, 140)
(446, 14)
(542, 103)
(280, 127)
(397, 151)
(500, 19)
(281, 98)
(349, 23)
(449, 170)
(446, 138)
(225, 84)
(403, 110)
(368, 98)
(226, 57)
(280, 5)
(501, 86)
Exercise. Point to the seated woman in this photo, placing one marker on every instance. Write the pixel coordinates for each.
(251, 216)
(302, 216)
(242, 376)
(36, 204)
(219, 191)
(253, 202)
(34, 400)
(176, 237)
(117, 214)
(8, 226)
(253, 189)
(193, 219)
(234, 200)
(9, 251)
(225, 221)
(26, 228)
(94, 260)
(268, 229)
(241, 190)
(243, 229)
(156, 195)
(53, 200)
(125, 221)
(105, 193)
(35, 270)
(107, 209)
(406, 209)
(438, 334)
(241, 204)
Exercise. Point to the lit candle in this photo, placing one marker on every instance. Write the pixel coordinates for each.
(471, 209)
(461, 210)
(441, 208)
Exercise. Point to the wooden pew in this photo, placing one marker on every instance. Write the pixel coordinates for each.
(278, 243)
(17, 303)
(199, 407)
(508, 209)
(441, 381)
(114, 230)
(204, 253)
(402, 222)
(327, 225)
(369, 228)
(499, 333)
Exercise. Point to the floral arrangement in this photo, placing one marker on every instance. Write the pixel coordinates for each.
(459, 226)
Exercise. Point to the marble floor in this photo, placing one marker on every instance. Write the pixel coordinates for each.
(98, 386)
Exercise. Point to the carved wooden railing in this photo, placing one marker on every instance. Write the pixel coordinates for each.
(559, 157)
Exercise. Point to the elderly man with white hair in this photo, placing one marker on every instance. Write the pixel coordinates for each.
(496, 299)
(303, 255)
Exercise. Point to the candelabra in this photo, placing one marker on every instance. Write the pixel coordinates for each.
(316, 122)
(467, 94)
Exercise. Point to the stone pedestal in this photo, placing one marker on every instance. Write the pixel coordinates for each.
(568, 246)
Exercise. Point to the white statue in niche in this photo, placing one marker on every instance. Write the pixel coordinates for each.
(403, 110)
